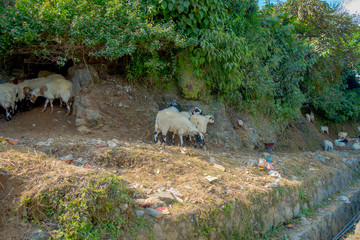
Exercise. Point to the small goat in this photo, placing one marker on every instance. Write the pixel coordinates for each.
(328, 145)
(324, 129)
(342, 135)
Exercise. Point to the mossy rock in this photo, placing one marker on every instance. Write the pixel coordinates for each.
(192, 87)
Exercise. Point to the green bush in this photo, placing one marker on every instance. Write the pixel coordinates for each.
(270, 61)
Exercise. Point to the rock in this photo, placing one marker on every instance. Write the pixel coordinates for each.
(219, 167)
(212, 159)
(46, 143)
(319, 157)
(211, 179)
(111, 144)
(40, 235)
(83, 78)
(88, 112)
(153, 213)
(67, 157)
(175, 192)
(84, 130)
(79, 122)
(114, 140)
(44, 73)
(165, 196)
(191, 86)
(274, 173)
(155, 201)
(139, 213)
(343, 198)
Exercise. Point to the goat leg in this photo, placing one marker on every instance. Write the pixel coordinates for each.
(46, 103)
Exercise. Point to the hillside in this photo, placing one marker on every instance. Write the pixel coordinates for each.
(54, 163)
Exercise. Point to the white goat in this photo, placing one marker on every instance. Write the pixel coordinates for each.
(339, 143)
(328, 145)
(342, 135)
(324, 129)
(312, 117)
(58, 88)
(8, 94)
(178, 124)
(201, 121)
(356, 146)
(308, 118)
(174, 107)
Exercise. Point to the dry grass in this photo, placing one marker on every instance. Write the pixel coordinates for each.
(145, 168)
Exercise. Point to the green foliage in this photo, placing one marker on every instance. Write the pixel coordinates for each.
(98, 210)
(228, 208)
(193, 16)
(337, 103)
(331, 36)
(271, 61)
(70, 29)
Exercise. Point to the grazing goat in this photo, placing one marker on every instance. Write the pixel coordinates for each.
(342, 135)
(328, 145)
(174, 107)
(178, 124)
(339, 143)
(312, 117)
(324, 129)
(58, 88)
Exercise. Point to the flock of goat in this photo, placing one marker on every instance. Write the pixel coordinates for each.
(340, 142)
(15, 98)
(183, 123)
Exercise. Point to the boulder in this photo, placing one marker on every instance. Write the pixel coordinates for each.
(84, 130)
(83, 78)
(220, 134)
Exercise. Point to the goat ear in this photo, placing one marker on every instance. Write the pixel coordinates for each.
(43, 89)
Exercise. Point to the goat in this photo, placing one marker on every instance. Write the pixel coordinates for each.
(324, 129)
(58, 88)
(328, 145)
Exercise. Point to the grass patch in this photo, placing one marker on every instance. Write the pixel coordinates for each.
(99, 208)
